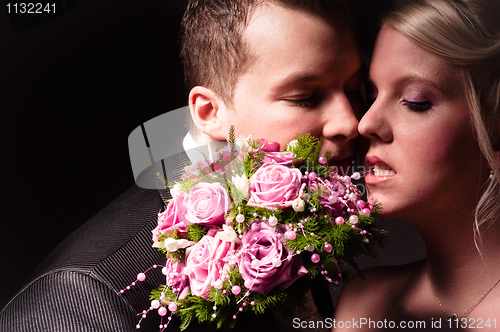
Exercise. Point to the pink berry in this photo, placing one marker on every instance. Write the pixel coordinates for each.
(248, 283)
(240, 218)
(273, 221)
(315, 258)
(162, 311)
(312, 176)
(290, 235)
(236, 290)
(322, 160)
(356, 176)
(332, 199)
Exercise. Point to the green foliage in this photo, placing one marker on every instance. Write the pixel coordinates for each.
(187, 184)
(194, 308)
(232, 142)
(162, 179)
(314, 228)
(196, 232)
(307, 149)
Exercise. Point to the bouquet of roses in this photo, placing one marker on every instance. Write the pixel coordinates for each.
(253, 228)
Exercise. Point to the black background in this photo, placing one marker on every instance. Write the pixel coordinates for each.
(71, 91)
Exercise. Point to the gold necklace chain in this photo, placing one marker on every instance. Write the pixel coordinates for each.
(468, 311)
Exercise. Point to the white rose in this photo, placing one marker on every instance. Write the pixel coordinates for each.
(171, 244)
(228, 234)
(241, 183)
(243, 144)
(298, 205)
(175, 190)
(292, 145)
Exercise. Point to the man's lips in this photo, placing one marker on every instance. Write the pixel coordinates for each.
(378, 170)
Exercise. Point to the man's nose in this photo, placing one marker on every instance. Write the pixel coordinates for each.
(340, 121)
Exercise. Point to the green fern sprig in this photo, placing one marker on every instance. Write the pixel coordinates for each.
(196, 232)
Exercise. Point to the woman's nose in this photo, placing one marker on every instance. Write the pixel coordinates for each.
(375, 125)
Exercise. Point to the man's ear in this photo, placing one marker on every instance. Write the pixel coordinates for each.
(209, 112)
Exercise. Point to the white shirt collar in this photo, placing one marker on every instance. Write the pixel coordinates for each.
(200, 153)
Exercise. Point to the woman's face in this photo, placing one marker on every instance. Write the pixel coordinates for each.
(423, 160)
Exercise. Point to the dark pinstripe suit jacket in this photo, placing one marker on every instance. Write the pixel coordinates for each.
(75, 288)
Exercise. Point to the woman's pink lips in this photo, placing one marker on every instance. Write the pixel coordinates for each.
(370, 177)
(374, 160)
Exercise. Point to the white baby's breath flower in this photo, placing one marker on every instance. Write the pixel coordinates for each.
(244, 145)
(241, 183)
(292, 145)
(228, 234)
(298, 205)
(175, 190)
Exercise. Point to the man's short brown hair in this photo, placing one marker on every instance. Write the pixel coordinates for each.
(213, 50)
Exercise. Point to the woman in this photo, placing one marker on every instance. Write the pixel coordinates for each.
(434, 130)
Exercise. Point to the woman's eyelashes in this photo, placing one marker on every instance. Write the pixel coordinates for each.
(418, 106)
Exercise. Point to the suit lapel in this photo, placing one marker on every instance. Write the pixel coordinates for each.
(171, 168)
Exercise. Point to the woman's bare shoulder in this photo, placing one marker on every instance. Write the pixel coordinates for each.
(374, 294)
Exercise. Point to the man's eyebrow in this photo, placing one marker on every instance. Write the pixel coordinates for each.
(294, 80)
(299, 78)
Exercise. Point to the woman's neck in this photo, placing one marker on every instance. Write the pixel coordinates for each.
(459, 271)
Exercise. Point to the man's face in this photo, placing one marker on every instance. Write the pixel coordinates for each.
(303, 77)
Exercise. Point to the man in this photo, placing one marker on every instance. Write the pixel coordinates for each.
(273, 69)
(289, 72)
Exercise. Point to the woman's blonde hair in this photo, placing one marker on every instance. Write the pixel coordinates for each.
(465, 34)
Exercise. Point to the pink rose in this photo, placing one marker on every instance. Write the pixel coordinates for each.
(274, 185)
(206, 262)
(223, 161)
(268, 147)
(192, 171)
(175, 278)
(282, 158)
(169, 220)
(206, 204)
(330, 191)
(265, 262)
(219, 163)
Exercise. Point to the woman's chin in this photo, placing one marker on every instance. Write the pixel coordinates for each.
(388, 208)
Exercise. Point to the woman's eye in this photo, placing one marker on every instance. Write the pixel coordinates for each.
(418, 106)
